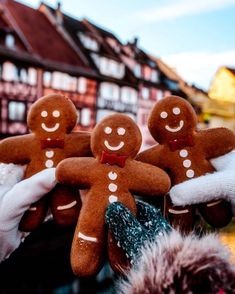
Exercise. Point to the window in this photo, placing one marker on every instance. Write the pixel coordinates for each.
(82, 85)
(85, 117)
(10, 41)
(9, 72)
(47, 79)
(88, 42)
(154, 76)
(112, 68)
(129, 95)
(32, 79)
(23, 75)
(172, 85)
(109, 91)
(159, 94)
(57, 80)
(16, 111)
(145, 93)
(137, 70)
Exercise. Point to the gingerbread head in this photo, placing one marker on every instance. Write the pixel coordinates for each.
(172, 118)
(52, 116)
(51, 120)
(184, 152)
(110, 139)
(113, 175)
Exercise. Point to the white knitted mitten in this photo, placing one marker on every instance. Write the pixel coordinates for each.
(218, 185)
(15, 199)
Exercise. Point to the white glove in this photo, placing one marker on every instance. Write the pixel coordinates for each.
(218, 185)
(15, 200)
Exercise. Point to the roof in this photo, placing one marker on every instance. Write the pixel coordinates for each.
(232, 70)
(43, 38)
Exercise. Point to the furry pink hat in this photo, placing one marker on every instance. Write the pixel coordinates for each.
(175, 264)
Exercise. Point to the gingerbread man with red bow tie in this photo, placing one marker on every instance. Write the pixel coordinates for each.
(112, 175)
(184, 152)
(51, 120)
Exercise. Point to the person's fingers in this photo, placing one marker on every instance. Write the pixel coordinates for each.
(224, 162)
(22, 195)
(204, 189)
(10, 174)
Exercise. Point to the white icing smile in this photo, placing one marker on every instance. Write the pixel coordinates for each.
(50, 130)
(114, 148)
(177, 129)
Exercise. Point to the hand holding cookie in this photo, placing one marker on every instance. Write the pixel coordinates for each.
(112, 175)
(185, 153)
(51, 120)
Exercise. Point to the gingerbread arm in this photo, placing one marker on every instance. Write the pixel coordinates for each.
(77, 144)
(148, 179)
(16, 149)
(151, 155)
(75, 172)
(217, 142)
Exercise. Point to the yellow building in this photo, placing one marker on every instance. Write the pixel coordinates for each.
(223, 85)
(220, 108)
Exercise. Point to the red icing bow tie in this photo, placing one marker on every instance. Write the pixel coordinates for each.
(52, 143)
(180, 143)
(113, 159)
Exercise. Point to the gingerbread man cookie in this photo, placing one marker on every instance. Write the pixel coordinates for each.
(112, 175)
(184, 153)
(51, 120)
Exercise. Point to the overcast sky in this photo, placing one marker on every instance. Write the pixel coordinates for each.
(195, 37)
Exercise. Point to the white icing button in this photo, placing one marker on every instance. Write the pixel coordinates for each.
(187, 163)
(49, 163)
(183, 153)
(163, 114)
(49, 154)
(112, 198)
(190, 173)
(112, 187)
(112, 176)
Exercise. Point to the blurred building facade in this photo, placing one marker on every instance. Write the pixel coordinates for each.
(44, 51)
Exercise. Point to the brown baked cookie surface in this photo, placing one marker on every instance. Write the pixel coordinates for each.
(51, 120)
(184, 152)
(112, 175)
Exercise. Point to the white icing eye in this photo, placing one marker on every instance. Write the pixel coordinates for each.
(56, 113)
(108, 130)
(163, 114)
(121, 131)
(176, 110)
(44, 113)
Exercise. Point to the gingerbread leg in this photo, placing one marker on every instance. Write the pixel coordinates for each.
(35, 216)
(65, 205)
(181, 218)
(217, 213)
(117, 257)
(87, 253)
